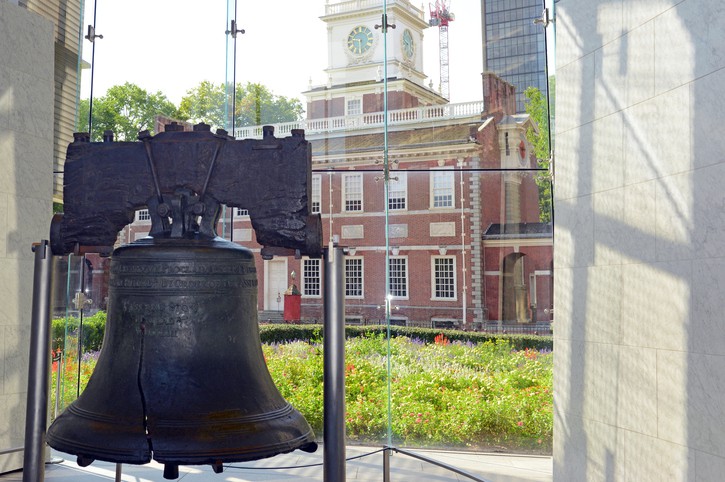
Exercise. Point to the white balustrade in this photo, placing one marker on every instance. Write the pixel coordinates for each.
(351, 5)
(431, 113)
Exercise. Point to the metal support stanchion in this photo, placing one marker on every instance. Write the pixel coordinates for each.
(386, 464)
(36, 415)
(334, 366)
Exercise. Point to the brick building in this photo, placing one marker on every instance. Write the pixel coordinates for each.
(465, 245)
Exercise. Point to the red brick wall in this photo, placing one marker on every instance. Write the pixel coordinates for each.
(498, 95)
(320, 109)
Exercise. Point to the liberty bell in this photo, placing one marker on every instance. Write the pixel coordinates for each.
(181, 377)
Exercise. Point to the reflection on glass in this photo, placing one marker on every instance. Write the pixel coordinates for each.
(79, 303)
(515, 45)
(467, 239)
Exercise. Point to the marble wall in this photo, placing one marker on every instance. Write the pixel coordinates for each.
(640, 240)
(26, 188)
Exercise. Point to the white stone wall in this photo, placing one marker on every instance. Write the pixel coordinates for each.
(26, 187)
(640, 240)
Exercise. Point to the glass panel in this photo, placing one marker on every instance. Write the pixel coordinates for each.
(133, 77)
(141, 77)
(483, 265)
(434, 177)
(79, 303)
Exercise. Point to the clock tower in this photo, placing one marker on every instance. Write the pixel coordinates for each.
(356, 59)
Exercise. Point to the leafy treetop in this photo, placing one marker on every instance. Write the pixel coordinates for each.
(255, 105)
(126, 110)
(536, 107)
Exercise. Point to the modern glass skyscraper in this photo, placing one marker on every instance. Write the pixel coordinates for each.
(514, 47)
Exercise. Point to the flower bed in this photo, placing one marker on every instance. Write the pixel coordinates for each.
(481, 396)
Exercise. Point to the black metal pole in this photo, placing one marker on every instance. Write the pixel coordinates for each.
(386, 464)
(36, 414)
(81, 303)
(334, 366)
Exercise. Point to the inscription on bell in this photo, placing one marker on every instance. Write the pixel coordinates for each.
(155, 308)
(160, 319)
(160, 328)
(132, 283)
(205, 284)
(182, 268)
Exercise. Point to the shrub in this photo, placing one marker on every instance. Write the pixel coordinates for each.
(484, 396)
(281, 333)
(94, 328)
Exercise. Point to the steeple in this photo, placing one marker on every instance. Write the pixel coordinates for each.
(357, 41)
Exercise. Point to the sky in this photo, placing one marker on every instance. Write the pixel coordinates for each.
(173, 45)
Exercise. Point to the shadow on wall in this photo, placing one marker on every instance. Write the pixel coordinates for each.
(26, 154)
(640, 232)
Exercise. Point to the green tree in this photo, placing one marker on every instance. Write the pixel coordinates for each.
(126, 110)
(204, 103)
(536, 107)
(255, 105)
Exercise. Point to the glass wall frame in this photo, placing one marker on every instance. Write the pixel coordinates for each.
(438, 198)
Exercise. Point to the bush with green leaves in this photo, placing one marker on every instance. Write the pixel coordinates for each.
(484, 396)
(92, 331)
(446, 388)
(94, 326)
(275, 333)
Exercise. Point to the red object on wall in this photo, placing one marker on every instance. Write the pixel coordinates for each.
(292, 307)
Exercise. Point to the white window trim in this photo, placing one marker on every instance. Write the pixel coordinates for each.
(143, 221)
(354, 98)
(362, 278)
(402, 180)
(432, 191)
(407, 279)
(344, 192)
(316, 194)
(433, 296)
(303, 278)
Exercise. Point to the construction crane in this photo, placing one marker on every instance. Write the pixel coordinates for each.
(441, 16)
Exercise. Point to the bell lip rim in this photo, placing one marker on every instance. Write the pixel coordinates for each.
(271, 450)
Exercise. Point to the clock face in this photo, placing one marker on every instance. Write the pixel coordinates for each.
(360, 40)
(408, 44)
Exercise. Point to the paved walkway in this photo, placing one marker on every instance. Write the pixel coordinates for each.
(304, 467)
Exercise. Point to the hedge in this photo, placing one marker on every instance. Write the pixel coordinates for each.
(94, 326)
(284, 333)
(93, 329)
